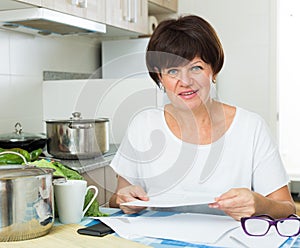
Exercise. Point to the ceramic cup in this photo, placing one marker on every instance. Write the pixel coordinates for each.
(69, 199)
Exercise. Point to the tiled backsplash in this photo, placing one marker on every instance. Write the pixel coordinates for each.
(58, 75)
(23, 60)
(118, 100)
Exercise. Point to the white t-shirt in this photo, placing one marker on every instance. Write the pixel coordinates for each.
(244, 157)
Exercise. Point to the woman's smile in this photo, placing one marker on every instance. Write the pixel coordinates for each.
(188, 94)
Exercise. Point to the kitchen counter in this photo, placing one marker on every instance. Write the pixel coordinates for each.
(86, 165)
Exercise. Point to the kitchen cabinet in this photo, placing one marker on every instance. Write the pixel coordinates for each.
(162, 6)
(110, 182)
(89, 9)
(130, 15)
(105, 179)
(96, 177)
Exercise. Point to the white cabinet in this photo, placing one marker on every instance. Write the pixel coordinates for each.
(162, 6)
(120, 15)
(89, 9)
(130, 15)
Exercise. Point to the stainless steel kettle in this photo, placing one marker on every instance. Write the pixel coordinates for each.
(26, 201)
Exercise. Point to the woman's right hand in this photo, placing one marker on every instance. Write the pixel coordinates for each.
(128, 194)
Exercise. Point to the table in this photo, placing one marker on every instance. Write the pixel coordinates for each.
(62, 236)
(163, 243)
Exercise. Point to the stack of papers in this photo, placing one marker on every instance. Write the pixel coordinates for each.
(206, 229)
(174, 200)
(193, 228)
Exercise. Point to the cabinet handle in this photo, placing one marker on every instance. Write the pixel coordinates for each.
(134, 18)
(128, 15)
(132, 15)
(80, 3)
(83, 4)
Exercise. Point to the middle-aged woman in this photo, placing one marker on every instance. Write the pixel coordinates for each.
(197, 144)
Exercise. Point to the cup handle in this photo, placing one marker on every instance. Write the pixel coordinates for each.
(94, 197)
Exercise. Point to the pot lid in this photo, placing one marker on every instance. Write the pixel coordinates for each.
(76, 118)
(19, 135)
(20, 171)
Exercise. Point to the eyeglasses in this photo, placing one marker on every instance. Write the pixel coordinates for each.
(261, 224)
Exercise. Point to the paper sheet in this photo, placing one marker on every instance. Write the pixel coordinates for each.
(271, 239)
(195, 228)
(174, 200)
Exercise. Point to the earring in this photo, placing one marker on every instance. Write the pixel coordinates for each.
(161, 87)
(214, 81)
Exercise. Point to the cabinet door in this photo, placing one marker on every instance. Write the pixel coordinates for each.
(89, 9)
(97, 177)
(128, 14)
(111, 182)
(116, 13)
(138, 20)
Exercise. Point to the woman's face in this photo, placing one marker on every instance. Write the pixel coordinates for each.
(188, 86)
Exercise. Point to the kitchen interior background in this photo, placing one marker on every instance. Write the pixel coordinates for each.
(247, 30)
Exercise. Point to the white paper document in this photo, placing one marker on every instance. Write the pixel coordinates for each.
(187, 227)
(271, 239)
(174, 200)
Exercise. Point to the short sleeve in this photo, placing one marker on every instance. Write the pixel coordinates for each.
(269, 173)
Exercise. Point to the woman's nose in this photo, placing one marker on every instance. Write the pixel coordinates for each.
(185, 78)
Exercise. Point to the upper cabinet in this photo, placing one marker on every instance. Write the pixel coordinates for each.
(123, 17)
(89, 9)
(162, 6)
(130, 15)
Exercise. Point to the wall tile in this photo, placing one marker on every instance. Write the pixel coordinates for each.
(22, 98)
(4, 52)
(26, 55)
(23, 58)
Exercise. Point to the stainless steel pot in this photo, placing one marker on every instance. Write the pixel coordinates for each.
(26, 201)
(77, 138)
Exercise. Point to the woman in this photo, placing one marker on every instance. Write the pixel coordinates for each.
(197, 144)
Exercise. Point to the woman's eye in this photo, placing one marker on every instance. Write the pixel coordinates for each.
(196, 68)
(172, 72)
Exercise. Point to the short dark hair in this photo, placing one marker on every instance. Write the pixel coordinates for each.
(175, 42)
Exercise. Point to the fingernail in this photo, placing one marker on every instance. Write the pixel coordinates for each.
(214, 206)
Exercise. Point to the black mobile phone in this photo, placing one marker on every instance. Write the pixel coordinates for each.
(99, 229)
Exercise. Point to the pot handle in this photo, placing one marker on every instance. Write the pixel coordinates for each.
(18, 128)
(16, 153)
(80, 125)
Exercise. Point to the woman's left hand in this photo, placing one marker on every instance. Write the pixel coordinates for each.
(237, 203)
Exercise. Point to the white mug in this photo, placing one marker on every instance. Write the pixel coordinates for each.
(69, 199)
